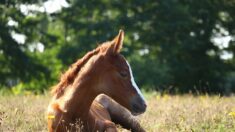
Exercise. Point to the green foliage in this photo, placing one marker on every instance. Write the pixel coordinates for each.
(169, 43)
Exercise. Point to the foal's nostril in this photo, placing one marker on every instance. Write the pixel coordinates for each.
(145, 106)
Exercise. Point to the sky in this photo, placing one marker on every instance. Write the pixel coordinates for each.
(49, 6)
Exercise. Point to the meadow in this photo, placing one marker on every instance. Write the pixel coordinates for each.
(164, 113)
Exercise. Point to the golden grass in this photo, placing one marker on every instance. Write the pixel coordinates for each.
(164, 113)
(189, 113)
(23, 113)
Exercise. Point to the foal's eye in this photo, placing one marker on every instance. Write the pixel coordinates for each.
(123, 74)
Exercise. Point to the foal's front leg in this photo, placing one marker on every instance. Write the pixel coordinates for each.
(110, 126)
(119, 114)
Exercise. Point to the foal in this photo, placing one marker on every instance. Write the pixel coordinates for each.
(101, 71)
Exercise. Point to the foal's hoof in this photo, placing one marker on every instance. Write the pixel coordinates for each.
(111, 129)
(110, 126)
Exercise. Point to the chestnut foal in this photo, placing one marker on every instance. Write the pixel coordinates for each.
(103, 73)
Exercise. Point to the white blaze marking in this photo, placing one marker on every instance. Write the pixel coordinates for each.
(133, 82)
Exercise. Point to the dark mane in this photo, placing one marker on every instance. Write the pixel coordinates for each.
(69, 76)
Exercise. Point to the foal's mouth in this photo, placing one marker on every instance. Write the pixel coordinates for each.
(137, 111)
(138, 106)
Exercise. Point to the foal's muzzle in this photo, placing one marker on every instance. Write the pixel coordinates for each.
(138, 105)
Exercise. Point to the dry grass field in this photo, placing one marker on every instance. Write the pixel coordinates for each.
(164, 113)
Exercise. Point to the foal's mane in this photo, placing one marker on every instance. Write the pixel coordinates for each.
(69, 76)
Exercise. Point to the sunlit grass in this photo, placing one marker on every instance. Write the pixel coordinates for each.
(23, 113)
(164, 113)
(189, 113)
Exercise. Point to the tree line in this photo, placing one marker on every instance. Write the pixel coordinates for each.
(177, 46)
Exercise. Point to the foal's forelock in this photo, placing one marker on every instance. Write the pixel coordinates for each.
(133, 81)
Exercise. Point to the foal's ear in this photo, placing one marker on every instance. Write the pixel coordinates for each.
(116, 43)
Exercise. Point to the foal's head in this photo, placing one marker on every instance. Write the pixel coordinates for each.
(115, 77)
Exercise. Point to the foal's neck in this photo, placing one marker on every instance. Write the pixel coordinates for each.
(79, 98)
(80, 95)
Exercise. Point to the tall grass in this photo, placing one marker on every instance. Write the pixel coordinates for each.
(164, 113)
